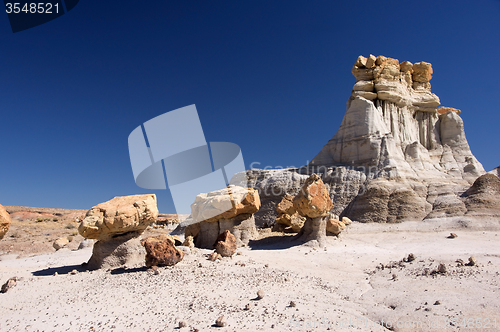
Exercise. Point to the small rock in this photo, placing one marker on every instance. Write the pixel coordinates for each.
(442, 268)
(248, 306)
(60, 243)
(238, 253)
(226, 244)
(221, 321)
(472, 261)
(267, 265)
(155, 269)
(55, 274)
(292, 304)
(260, 294)
(182, 324)
(9, 284)
(460, 262)
(394, 276)
(437, 302)
(410, 258)
(452, 236)
(214, 256)
(73, 272)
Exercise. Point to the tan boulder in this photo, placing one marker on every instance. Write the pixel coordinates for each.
(346, 221)
(226, 244)
(288, 216)
(189, 242)
(161, 251)
(370, 61)
(60, 243)
(313, 200)
(4, 221)
(406, 66)
(361, 62)
(225, 204)
(422, 72)
(118, 216)
(444, 110)
(334, 226)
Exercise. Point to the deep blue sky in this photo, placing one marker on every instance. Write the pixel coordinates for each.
(270, 76)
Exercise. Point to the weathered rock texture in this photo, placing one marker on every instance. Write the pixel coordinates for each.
(396, 155)
(226, 244)
(496, 171)
(483, 197)
(117, 224)
(288, 218)
(235, 205)
(313, 203)
(4, 222)
(161, 251)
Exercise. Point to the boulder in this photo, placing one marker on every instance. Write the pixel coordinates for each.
(118, 216)
(313, 200)
(334, 226)
(4, 222)
(226, 244)
(117, 225)
(161, 251)
(229, 209)
(422, 72)
(288, 218)
(60, 243)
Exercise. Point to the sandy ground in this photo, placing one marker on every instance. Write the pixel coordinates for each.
(342, 287)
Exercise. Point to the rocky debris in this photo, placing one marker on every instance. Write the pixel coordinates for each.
(410, 258)
(9, 284)
(437, 302)
(441, 268)
(189, 242)
(226, 244)
(230, 209)
(260, 294)
(60, 243)
(314, 203)
(472, 261)
(214, 256)
(4, 221)
(292, 304)
(334, 226)
(460, 262)
(452, 236)
(288, 218)
(161, 251)
(182, 324)
(117, 225)
(483, 197)
(221, 322)
(248, 306)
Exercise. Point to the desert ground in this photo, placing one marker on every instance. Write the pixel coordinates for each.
(361, 281)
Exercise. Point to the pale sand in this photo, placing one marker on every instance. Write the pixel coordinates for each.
(341, 284)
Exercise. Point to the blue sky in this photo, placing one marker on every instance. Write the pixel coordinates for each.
(270, 76)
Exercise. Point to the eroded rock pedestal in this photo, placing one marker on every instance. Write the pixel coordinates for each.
(229, 209)
(117, 225)
(313, 203)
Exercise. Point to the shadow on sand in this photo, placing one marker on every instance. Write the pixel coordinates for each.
(60, 270)
(275, 242)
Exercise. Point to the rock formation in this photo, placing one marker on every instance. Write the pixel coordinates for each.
(4, 222)
(212, 217)
(161, 251)
(395, 157)
(117, 225)
(313, 202)
(496, 171)
(288, 218)
(483, 197)
(336, 226)
(226, 244)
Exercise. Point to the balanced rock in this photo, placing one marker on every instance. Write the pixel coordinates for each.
(226, 244)
(4, 221)
(314, 203)
(288, 218)
(161, 251)
(230, 209)
(117, 225)
(313, 200)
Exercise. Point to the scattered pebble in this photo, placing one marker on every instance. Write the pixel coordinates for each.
(410, 258)
(442, 268)
(292, 304)
(472, 261)
(437, 302)
(260, 294)
(73, 272)
(452, 236)
(9, 284)
(247, 306)
(221, 321)
(182, 324)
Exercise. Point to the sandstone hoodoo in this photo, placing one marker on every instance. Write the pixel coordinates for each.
(397, 155)
(117, 225)
(4, 221)
(229, 209)
(313, 203)
(161, 251)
